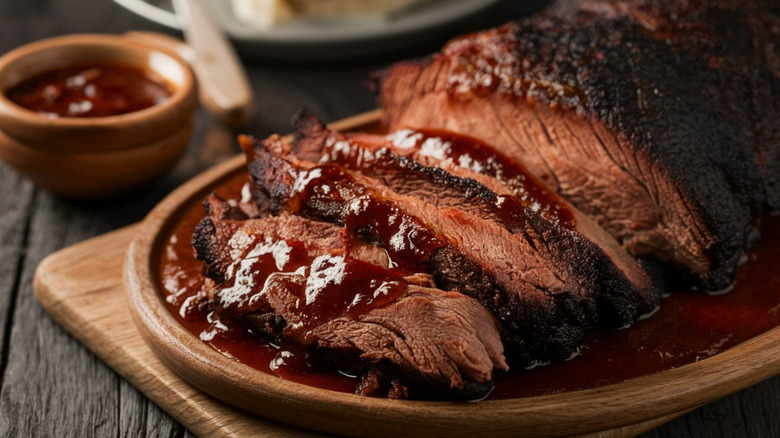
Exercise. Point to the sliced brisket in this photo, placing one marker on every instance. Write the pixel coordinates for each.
(598, 264)
(309, 283)
(544, 307)
(671, 144)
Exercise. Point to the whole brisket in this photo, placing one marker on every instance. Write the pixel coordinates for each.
(661, 120)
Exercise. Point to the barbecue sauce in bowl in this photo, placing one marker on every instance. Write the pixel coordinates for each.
(100, 90)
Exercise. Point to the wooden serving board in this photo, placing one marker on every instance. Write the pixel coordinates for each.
(81, 288)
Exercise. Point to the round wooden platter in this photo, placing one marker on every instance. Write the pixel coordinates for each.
(625, 408)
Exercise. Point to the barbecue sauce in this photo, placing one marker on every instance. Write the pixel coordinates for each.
(508, 210)
(315, 288)
(98, 90)
(325, 287)
(690, 326)
(474, 155)
(407, 242)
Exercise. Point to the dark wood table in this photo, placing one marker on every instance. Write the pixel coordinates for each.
(51, 384)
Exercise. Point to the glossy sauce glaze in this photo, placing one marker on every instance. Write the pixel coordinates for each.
(474, 155)
(321, 191)
(315, 288)
(507, 210)
(181, 279)
(98, 90)
(689, 326)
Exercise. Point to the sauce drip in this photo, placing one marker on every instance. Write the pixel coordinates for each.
(313, 288)
(508, 210)
(690, 326)
(99, 90)
(472, 154)
(323, 190)
(181, 277)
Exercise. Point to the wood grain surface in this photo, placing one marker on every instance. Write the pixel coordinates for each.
(51, 385)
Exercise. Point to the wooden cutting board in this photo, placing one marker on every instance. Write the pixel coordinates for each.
(81, 288)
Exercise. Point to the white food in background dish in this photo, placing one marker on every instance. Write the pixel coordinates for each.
(262, 13)
(266, 13)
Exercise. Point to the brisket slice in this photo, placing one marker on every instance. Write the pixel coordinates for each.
(543, 309)
(623, 290)
(672, 151)
(270, 271)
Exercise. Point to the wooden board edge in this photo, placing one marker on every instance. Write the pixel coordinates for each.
(43, 286)
(198, 412)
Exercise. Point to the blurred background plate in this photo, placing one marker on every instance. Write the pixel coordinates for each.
(320, 39)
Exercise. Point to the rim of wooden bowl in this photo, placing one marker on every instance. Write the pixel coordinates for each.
(607, 407)
(120, 131)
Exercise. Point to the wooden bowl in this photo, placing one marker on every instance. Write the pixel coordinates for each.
(623, 409)
(96, 157)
